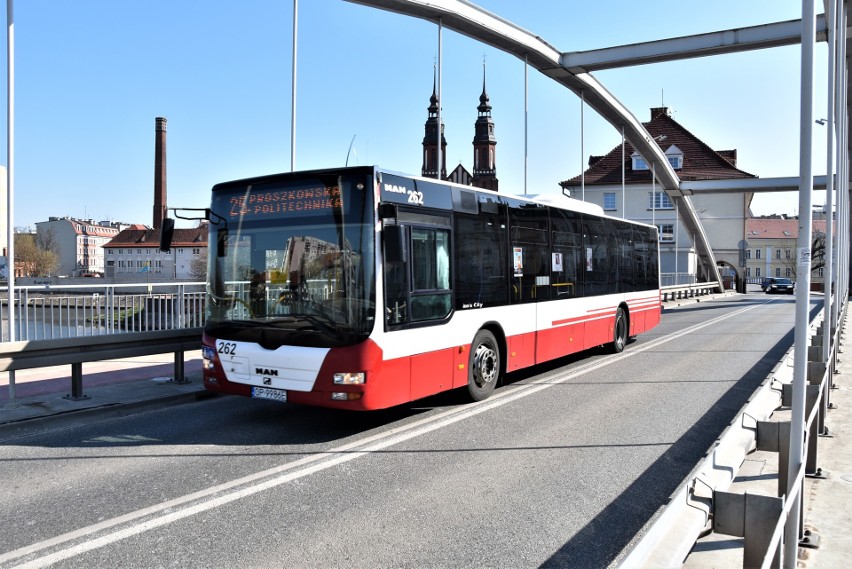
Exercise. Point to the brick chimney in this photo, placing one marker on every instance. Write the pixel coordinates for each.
(657, 111)
(159, 172)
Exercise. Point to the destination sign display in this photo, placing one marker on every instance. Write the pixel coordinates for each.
(276, 202)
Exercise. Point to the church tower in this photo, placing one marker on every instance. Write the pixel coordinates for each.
(430, 142)
(484, 143)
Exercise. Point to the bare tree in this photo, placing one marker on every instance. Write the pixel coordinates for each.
(46, 240)
(198, 267)
(817, 254)
(31, 260)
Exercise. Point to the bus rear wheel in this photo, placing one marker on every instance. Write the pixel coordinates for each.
(483, 368)
(620, 332)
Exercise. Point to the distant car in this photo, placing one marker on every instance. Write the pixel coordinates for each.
(779, 285)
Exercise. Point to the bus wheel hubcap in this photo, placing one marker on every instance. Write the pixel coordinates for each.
(485, 368)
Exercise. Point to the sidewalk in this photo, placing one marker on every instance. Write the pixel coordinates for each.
(117, 384)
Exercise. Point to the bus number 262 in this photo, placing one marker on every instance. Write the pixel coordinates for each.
(415, 197)
(227, 348)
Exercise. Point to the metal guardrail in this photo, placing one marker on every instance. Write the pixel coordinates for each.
(760, 520)
(75, 351)
(73, 324)
(683, 291)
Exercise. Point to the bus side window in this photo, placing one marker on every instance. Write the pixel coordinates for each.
(396, 277)
(430, 268)
(563, 280)
(530, 254)
(482, 266)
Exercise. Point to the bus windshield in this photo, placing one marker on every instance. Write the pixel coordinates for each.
(293, 261)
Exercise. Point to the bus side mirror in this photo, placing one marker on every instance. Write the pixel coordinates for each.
(167, 233)
(394, 240)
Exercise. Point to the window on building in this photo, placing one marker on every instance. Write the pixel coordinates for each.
(675, 157)
(609, 201)
(789, 272)
(778, 271)
(757, 272)
(748, 253)
(659, 200)
(666, 231)
(757, 253)
(777, 253)
(819, 272)
(787, 252)
(639, 162)
(748, 272)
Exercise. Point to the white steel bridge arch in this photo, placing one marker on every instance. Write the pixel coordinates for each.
(471, 20)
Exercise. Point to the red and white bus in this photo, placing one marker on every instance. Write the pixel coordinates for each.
(360, 288)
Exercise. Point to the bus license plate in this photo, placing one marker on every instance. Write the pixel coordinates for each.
(269, 393)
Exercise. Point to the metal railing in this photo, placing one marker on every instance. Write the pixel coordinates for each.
(683, 291)
(49, 312)
(73, 324)
(760, 520)
(674, 279)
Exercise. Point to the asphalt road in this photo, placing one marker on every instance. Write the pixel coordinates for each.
(562, 467)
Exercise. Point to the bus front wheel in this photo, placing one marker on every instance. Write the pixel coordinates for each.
(483, 366)
(620, 332)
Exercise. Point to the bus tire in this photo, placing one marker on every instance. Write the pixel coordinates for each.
(620, 331)
(483, 369)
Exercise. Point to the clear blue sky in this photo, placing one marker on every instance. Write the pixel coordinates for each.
(91, 76)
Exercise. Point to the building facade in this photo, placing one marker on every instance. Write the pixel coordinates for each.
(623, 184)
(78, 243)
(135, 254)
(772, 245)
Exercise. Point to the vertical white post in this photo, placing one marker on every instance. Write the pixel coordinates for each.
(10, 174)
(677, 242)
(653, 194)
(293, 87)
(803, 279)
(440, 99)
(526, 118)
(623, 188)
(842, 162)
(829, 186)
(582, 149)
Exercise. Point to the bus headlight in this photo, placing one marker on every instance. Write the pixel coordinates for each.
(350, 378)
(208, 355)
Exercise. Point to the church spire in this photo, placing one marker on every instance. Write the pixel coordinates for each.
(484, 144)
(430, 139)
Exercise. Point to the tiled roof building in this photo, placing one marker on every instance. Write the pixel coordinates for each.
(697, 160)
(137, 250)
(772, 245)
(625, 188)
